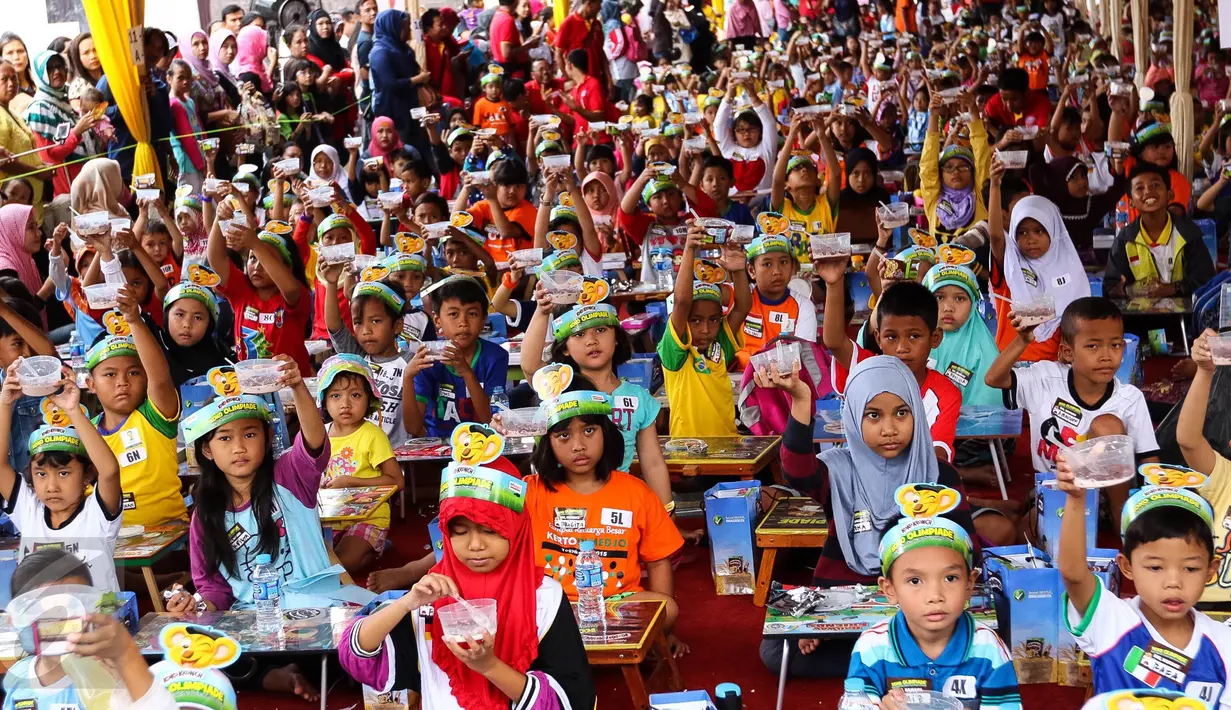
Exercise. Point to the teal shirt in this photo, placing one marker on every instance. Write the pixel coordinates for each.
(634, 409)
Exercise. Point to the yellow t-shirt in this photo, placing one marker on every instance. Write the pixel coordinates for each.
(818, 220)
(698, 388)
(149, 468)
(360, 454)
(1217, 490)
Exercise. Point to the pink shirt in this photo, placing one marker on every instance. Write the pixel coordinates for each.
(743, 20)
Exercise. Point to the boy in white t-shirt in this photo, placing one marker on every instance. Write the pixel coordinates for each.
(66, 455)
(1068, 403)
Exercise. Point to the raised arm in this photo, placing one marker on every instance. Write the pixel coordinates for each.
(1190, 428)
(30, 334)
(160, 387)
(995, 213)
(100, 454)
(833, 331)
(1079, 582)
(271, 259)
(1000, 373)
(9, 394)
(777, 190)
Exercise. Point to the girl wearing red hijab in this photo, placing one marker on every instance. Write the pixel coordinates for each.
(536, 658)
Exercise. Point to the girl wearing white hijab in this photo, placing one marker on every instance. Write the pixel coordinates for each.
(1038, 259)
(331, 170)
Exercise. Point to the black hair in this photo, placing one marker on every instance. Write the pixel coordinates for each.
(907, 298)
(45, 566)
(644, 101)
(74, 55)
(982, 90)
(352, 377)
(1168, 523)
(623, 346)
(57, 45)
(153, 34)
(20, 299)
(1085, 309)
(580, 59)
(9, 37)
(513, 89)
(248, 19)
(289, 33)
(60, 459)
(721, 163)
(1014, 79)
(1145, 168)
(214, 496)
(1070, 116)
(1011, 186)
(544, 459)
(357, 302)
(1034, 36)
(465, 291)
(284, 90)
(601, 151)
(179, 65)
(510, 172)
(230, 10)
(157, 226)
(22, 308)
(415, 164)
(749, 117)
(433, 198)
(295, 65)
(428, 18)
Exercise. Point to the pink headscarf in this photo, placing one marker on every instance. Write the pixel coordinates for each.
(374, 149)
(613, 197)
(253, 45)
(216, 40)
(13, 254)
(200, 67)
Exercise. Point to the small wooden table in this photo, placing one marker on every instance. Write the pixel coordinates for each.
(739, 456)
(636, 296)
(339, 507)
(146, 550)
(625, 638)
(791, 522)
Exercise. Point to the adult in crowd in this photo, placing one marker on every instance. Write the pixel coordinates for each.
(222, 51)
(13, 50)
(505, 41)
(396, 75)
(743, 24)
(51, 115)
(337, 78)
(99, 187)
(252, 44)
(443, 54)
(361, 51)
(233, 18)
(672, 31)
(587, 101)
(16, 138)
(582, 30)
(213, 106)
(86, 65)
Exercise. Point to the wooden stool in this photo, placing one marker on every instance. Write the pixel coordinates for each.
(791, 522)
(633, 630)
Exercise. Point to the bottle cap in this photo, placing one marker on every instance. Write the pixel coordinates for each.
(852, 685)
(263, 559)
(587, 545)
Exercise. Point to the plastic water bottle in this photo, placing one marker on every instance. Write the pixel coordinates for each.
(588, 575)
(664, 278)
(267, 596)
(499, 401)
(853, 696)
(76, 346)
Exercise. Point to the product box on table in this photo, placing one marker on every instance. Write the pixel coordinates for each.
(1072, 665)
(731, 510)
(1026, 592)
(644, 369)
(1049, 502)
(682, 700)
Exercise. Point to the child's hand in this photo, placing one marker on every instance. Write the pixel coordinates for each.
(431, 587)
(697, 238)
(478, 655)
(68, 398)
(733, 258)
(789, 382)
(807, 646)
(329, 273)
(181, 603)
(831, 271)
(517, 273)
(53, 247)
(11, 391)
(124, 239)
(225, 210)
(543, 298)
(1025, 332)
(239, 237)
(454, 357)
(1201, 350)
(107, 638)
(419, 362)
(291, 376)
(127, 305)
(1065, 478)
(997, 170)
(894, 700)
(60, 234)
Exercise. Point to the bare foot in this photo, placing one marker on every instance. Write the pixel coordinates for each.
(983, 475)
(1011, 507)
(386, 579)
(679, 649)
(289, 680)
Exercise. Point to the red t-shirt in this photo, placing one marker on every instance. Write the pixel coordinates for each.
(635, 225)
(282, 325)
(534, 95)
(942, 400)
(590, 96)
(1037, 111)
(578, 33)
(503, 29)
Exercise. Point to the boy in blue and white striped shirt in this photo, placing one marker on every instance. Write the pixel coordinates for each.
(932, 643)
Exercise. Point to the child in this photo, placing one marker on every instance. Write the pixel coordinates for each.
(268, 295)
(20, 337)
(1033, 49)
(1071, 402)
(806, 208)
(575, 219)
(104, 132)
(492, 111)
(1199, 454)
(701, 343)
(1038, 260)
(377, 311)
(967, 348)
(747, 139)
(1168, 554)
(576, 463)
(906, 320)
(190, 333)
(927, 571)
(408, 272)
(53, 510)
(140, 408)
(948, 179)
(775, 309)
(362, 455)
(455, 389)
(536, 655)
(505, 216)
(917, 121)
(1159, 254)
(188, 156)
(160, 238)
(1152, 144)
(717, 175)
(294, 122)
(663, 228)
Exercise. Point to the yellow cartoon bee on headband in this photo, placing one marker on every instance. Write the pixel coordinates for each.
(115, 324)
(593, 290)
(925, 500)
(1151, 700)
(53, 415)
(224, 381)
(475, 444)
(709, 272)
(1171, 476)
(198, 647)
(549, 382)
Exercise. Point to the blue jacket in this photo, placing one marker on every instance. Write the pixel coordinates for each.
(392, 67)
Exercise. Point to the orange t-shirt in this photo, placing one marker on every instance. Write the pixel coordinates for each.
(766, 321)
(1037, 68)
(625, 519)
(1181, 191)
(499, 245)
(493, 114)
(1047, 350)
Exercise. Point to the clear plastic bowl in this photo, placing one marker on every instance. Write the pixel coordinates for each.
(523, 422)
(557, 161)
(1013, 159)
(893, 215)
(93, 223)
(213, 184)
(931, 700)
(526, 258)
(40, 375)
(462, 622)
(261, 376)
(363, 261)
(1028, 132)
(743, 234)
(145, 194)
(390, 200)
(827, 246)
(321, 196)
(564, 286)
(436, 230)
(342, 253)
(546, 119)
(717, 229)
(1102, 461)
(1037, 311)
(290, 165)
(481, 178)
(599, 126)
(1220, 348)
(119, 224)
(697, 143)
(102, 296)
(347, 143)
(782, 355)
(436, 349)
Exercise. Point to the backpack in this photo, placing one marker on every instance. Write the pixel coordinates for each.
(766, 411)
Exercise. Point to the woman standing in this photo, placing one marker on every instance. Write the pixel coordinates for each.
(13, 51)
(395, 74)
(337, 80)
(87, 67)
(50, 110)
(206, 92)
(222, 51)
(16, 137)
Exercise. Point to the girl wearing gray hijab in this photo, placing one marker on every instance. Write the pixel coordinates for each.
(888, 446)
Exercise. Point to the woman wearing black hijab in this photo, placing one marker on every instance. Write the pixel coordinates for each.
(859, 199)
(336, 75)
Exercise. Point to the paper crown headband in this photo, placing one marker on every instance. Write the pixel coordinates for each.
(550, 384)
(223, 411)
(467, 477)
(1167, 487)
(107, 348)
(923, 504)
